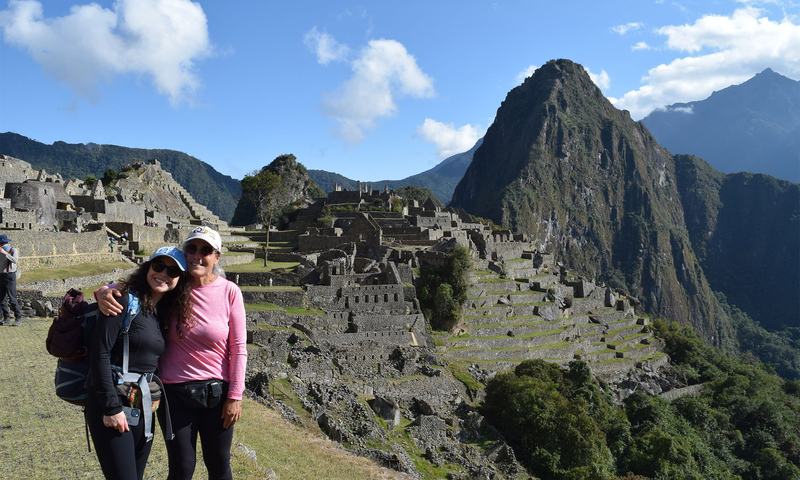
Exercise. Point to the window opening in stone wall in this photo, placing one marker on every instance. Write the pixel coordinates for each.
(385, 297)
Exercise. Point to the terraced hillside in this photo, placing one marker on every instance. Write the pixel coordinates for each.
(516, 311)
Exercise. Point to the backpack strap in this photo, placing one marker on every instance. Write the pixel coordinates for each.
(133, 310)
(140, 379)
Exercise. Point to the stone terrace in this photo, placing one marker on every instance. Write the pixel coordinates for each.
(528, 312)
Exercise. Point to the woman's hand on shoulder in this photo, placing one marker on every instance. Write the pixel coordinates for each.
(231, 412)
(118, 422)
(107, 302)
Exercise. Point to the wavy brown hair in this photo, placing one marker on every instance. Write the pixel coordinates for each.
(176, 302)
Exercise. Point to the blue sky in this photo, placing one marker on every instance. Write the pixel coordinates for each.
(371, 90)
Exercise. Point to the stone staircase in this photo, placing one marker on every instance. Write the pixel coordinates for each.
(512, 313)
(198, 211)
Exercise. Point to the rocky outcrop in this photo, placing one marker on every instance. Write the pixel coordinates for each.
(295, 182)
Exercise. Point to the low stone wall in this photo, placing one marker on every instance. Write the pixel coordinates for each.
(558, 336)
(238, 259)
(519, 330)
(11, 219)
(381, 322)
(60, 249)
(261, 279)
(437, 390)
(492, 311)
(149, 239)
(61, 285)
(281, 256)
(389, 337)
(325, 324)
(37, 243)
(549, 353)
(291, 298)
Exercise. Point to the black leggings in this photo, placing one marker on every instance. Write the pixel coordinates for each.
(182, 450)
(122, 455)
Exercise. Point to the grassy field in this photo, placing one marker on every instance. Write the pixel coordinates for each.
(82, 270)
(43, 437)
(257, 265)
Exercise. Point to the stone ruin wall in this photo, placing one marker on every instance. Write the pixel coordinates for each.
(11, 219)
(60, 249)
(367, 298)
(387, 323)
(14, 170)
(310, 243)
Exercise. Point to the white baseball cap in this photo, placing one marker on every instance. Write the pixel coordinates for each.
(208, 235)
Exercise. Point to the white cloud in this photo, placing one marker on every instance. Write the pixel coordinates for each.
(160, 39)
(448, 139)
(525, 74)
(687, 109)
(641, 46)
(601, 79)
(383, 73)
(724, 50)
(325, 46)
(628, 27)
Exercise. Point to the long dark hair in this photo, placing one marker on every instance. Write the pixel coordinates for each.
(176, 302)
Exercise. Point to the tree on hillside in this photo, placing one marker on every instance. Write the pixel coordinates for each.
(442, 289)
(267, 194)
(109, 177)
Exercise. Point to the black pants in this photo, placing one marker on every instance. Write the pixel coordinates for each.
(187, 423)
(122, 455)
(8, 286)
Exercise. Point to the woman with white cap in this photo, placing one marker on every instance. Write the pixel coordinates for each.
(204, 364)
(120, 414)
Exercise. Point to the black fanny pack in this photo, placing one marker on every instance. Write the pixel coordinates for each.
(200, 394)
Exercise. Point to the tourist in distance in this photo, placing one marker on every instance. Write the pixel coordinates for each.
(163, 290)
(204, 364)
(8, 281)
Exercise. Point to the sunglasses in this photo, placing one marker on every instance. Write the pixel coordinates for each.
(172, 272)
(191, 249)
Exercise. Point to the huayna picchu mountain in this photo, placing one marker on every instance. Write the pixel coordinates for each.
(592, 186)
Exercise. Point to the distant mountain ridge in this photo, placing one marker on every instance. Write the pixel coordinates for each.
(441, 179)
(207, 186)
(595, 188)
(752, 127)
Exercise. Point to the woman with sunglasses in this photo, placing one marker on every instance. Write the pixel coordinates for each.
(163, 292)
(204, 364)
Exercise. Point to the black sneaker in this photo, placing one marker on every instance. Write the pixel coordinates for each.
(16, 323)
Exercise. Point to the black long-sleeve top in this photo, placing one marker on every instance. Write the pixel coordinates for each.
(146, 344)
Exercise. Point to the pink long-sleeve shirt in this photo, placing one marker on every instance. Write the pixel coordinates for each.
(216, 345)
